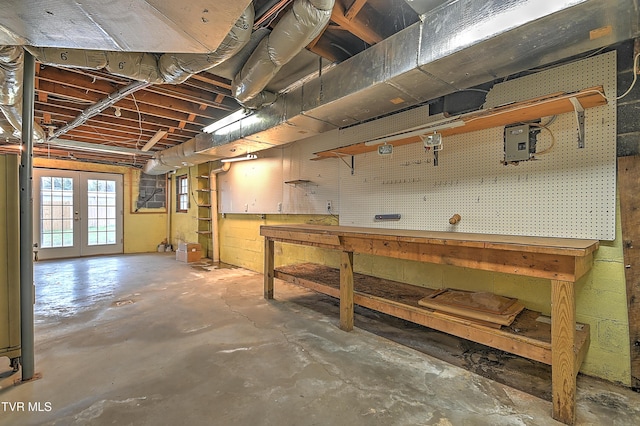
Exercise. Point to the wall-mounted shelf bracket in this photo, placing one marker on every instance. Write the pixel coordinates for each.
(579, 110)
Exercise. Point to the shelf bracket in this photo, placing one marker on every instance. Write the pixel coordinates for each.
(579, 110)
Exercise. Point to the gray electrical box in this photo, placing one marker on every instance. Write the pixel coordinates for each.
(517, 145)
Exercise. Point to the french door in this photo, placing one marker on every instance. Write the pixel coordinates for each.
(76, 213)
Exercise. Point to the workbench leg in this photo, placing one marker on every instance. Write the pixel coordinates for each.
(268, 268)
(563, 358)
(346, 291)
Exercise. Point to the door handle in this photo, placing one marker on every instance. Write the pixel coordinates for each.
(76, 216)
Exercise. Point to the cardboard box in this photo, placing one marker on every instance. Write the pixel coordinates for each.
(189, 247)
(188, 256)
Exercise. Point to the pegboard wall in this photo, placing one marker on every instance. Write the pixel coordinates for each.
(567, 192)
(283, 181)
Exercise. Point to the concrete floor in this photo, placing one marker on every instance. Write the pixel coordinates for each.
(146, 340)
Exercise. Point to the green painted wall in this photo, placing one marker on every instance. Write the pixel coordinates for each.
(600, 295)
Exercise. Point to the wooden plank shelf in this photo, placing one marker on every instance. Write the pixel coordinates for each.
(526, 336)
(545, 106)
(562, 261)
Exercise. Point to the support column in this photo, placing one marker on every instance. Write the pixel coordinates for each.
(563, 358)
(269, 266)
(27, 294)
(346, 291)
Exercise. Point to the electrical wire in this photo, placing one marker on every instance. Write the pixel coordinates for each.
(139, 120)
(553, 138)
(635, 77)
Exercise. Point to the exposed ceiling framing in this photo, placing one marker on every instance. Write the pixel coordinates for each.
(183, 110)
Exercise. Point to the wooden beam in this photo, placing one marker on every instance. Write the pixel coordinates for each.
(211, 79)
(362, 31)
(58, 82)
(346, 291)
(219, 98)
(66, 111)
(628, 183)
(563, 356)
(157, 108)
(269, 256)
(197, 93)
(354, 9)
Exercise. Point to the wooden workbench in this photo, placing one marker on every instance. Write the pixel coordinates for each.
(563, 261)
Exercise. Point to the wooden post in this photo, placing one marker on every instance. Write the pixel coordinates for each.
(563, 359)
(346, 291)
(628, 181)
(269, 266)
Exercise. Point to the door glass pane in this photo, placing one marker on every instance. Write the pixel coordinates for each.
(56, 212)
(101, 210)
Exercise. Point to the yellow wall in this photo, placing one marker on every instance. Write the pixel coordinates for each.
(184, 224)
(144, 230)
(601, 294)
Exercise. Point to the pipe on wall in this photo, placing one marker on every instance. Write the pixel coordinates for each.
(27, 293)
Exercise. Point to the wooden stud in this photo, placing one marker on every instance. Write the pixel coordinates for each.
(363, 32)
(563, 357)
(628, 182)
(354, 9)
(346, 291)
(219, 98)
(268, 268)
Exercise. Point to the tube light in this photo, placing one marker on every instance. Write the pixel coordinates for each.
(234, 159)
(231, 118)
(94, 147)
(417, 132)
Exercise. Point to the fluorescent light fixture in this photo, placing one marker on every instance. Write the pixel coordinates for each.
(94, 147)
(154, 139)
(231, 118)
(417, 132)
(234, 159)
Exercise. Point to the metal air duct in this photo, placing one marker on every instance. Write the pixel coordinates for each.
(297, 28)
(11, 80)
(143, 67)
(455, 46)
(173, 68)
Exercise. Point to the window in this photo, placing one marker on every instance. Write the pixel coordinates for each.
(182, 191)
(101, 217)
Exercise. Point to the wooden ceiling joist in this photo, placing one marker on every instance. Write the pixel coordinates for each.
(353, 10)
(354, 26)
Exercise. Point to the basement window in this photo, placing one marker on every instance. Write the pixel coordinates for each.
(182, 193)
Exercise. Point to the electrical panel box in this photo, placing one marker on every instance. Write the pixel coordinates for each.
(517, 146)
